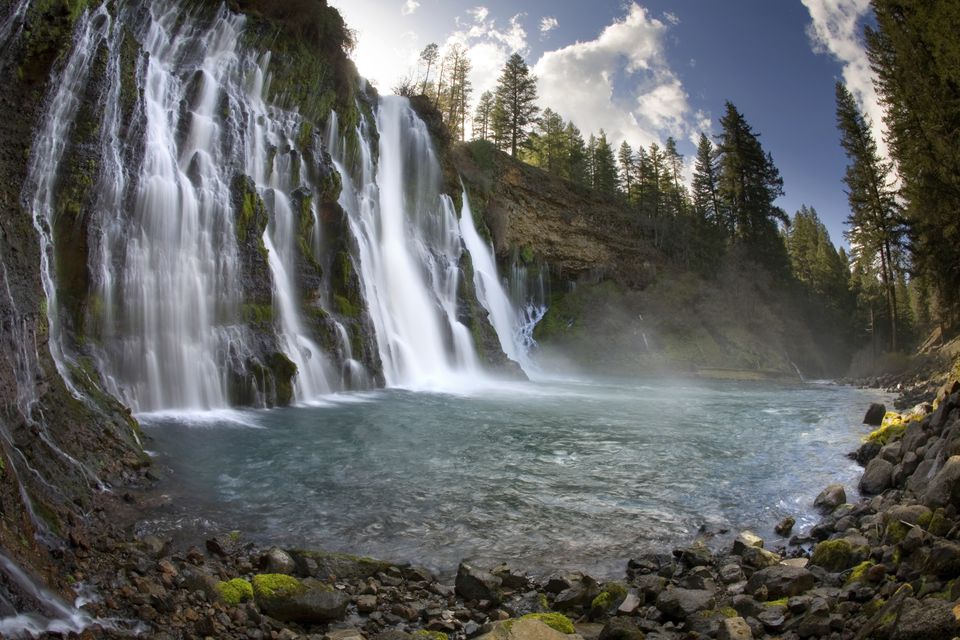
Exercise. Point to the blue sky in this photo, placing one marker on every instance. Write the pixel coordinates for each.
(648, 69)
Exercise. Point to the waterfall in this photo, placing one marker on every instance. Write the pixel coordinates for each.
(408, 249)
(513, 324)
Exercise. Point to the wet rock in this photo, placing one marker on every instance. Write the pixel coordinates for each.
(473, 583)
(760, 558)
(512, 579)
(276, 560)
(830, 498)
(731, 573)
(746, 540)
(580, 594)
(876, 477)
(530, 602)
(696, 555)
(679, 604)
(621, 629)
(942, 559)
(555, 584)
(734, 629)
(650, 586)
(773, 619)
(944, 489)
(781, 581)
(867, 452)
(785, 526)
(349, 633)
(366, 603)
(874, 415)
(338, 566)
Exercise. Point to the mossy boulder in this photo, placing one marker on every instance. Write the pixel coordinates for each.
(556, 621)
(523, 629)
(835, 555)
(291, 600)
(235, 591)
(609, 598)
(337, 566)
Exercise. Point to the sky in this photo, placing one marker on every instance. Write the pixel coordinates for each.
(647, 69)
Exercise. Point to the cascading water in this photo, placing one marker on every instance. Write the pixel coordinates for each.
(514, 324)
(409, 249)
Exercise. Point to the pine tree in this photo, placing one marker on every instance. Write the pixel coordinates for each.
(625, 161)
(875, 231)
(604, 166)
(916, 62)
(705, 199)
(517, 95)
(749, 183)
(576, 165)
(483, 117)
(428, 57)
(548, 143)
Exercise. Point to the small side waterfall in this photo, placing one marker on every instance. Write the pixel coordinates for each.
(514, 324)
(409, 249)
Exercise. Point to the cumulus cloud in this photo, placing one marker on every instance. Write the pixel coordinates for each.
(620, 82)
(409, 7)
(548, 24)
(488, 45)
(836, 30)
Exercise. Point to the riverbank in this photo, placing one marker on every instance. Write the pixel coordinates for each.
(885, 567)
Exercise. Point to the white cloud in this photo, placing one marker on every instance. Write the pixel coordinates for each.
(620, 82)
(548, 24)
(836, 30)
(479, 14)
(409, 7)
(671, 17)
(488, 46)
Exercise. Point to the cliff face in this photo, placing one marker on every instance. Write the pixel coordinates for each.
(618, 305)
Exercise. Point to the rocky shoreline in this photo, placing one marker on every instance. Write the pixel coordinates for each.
(885, 567)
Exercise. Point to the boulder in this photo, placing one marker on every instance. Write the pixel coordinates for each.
(746, 540)
(867, 452)
(679, 604)
(290, 600)
(874, 415)
(621, 629)
(929, 619)
(830, 498)
(785, 526)
(473, 583)
(734, 629)
(760, 558)
(876, 477)
(337, 566)
(696, 555)
(629, 605)
(942, 559)
(277, 560)
(523, 629)
(781, 581)
(944, 488)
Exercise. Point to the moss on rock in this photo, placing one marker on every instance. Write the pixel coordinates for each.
(272, 585)
(833, 555)
(235, 591)
(556, 621)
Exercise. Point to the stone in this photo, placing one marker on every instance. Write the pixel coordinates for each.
(877, 477)
(650, 586)
(679, 604)
(944, 489)
(473, 583)
(746, 540)
(734, 629)
(928, 619)
(366, 603)
(785, 526)
(867, 452)
(830, 498)
(290, 600)
(942, 558)
(781, 581)
(731, 573)
(621, 629)
(580, 594)
(349, 633)
(277, 560)
(523, 629)
(760, 558)
(631, 603)
(696, 555)
(773, 618)
(874, 415)
(337, 566)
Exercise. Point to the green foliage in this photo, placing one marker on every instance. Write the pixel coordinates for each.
(425, 634)
(859, 571)
(612, 595)
(556, 621)
(515, 108)
(235, 591)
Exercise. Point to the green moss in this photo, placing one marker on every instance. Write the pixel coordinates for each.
(345, 307)
(872, 607)
(936, 523)
(887, 433)
(895, 532)
(542, 601)
(858, 571)
(235, 591)
(305, 135)
(612, 595)
(258, 314)
(780, 602)
(556, 621)
(283, 370)
(526, 254)
(271, 585)
(424, 634)
(833, 555)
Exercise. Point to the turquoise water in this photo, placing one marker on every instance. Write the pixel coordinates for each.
(573, 475)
